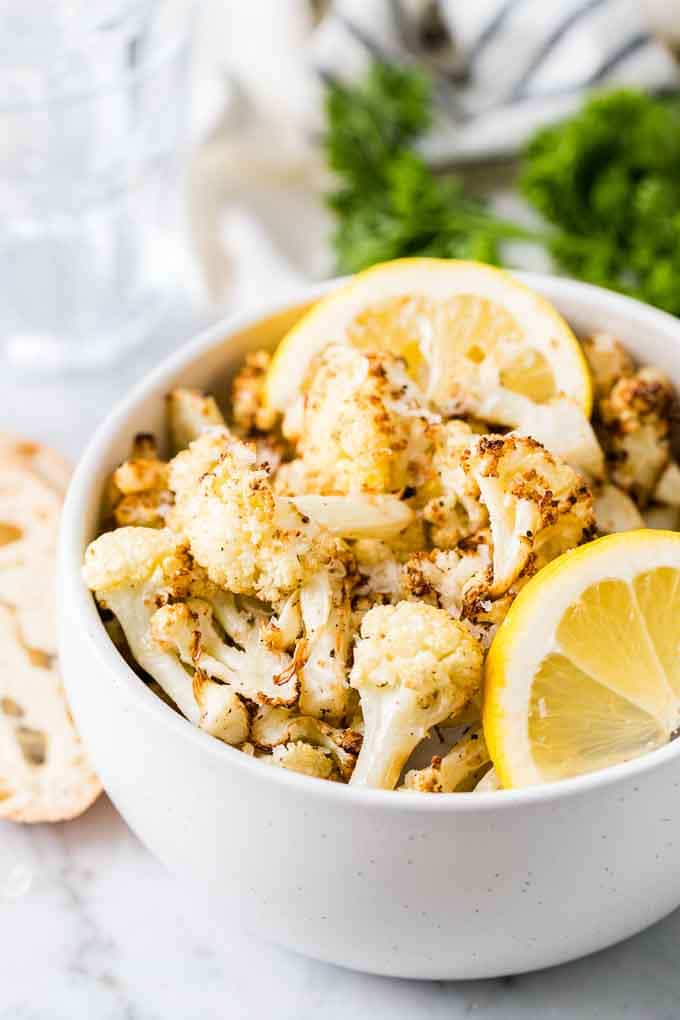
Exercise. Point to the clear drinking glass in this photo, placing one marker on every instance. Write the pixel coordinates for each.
(92, 115)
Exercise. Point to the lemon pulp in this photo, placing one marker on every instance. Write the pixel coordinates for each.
(606, 687)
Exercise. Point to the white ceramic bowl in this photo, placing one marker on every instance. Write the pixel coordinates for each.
(448, 886)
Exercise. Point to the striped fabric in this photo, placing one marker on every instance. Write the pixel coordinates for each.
(501, 67)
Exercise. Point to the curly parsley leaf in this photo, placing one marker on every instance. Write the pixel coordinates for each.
(388, 203)
(608, 180)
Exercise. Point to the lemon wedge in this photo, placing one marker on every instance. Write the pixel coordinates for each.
(466, 330)
(584, 671)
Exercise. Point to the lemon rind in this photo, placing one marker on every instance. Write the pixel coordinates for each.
(283, 384)
(528, 613)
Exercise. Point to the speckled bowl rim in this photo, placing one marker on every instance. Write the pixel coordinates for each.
(86, 487)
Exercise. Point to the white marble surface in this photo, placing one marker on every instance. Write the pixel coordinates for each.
(91, 927)
(103, 933)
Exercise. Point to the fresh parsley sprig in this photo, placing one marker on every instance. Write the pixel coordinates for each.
(606, 181)
(387, 202)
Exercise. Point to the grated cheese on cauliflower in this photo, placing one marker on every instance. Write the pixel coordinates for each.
(248, 541)
(362, 425)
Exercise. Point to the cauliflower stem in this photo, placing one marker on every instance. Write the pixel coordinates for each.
(414, 667)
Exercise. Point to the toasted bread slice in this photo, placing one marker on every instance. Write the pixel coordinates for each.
(44, 773)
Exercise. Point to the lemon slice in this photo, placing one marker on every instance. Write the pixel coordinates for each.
(462, 327)
(584, 671)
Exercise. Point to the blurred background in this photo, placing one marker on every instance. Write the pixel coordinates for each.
(164, 163)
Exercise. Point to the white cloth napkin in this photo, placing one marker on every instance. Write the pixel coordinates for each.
(501, 68)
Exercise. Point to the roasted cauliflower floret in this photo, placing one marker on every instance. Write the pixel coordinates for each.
(272, 727)
(223, 714)
(187, 630)
(247, 540)
(134, 571)
(558, 422)
(290, 478)
(281, 632)
(379, 575)
(128, 557)
(361, 425)
(448, 573)
(635, 421)
(190, 413)
(538, 506)
(249, 407)
(309, 759)
(144, 470)
(189, 466)
(414, 667)
(379, 563)
(608, 362)
(458, 581)
(453, 507)
(457, 770)
(138, 492)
